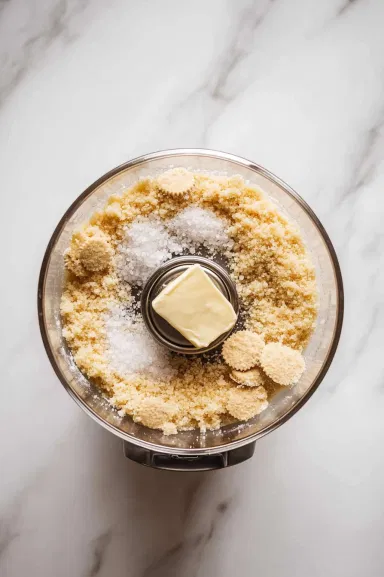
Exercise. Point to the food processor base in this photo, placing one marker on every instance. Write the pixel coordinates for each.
(189, 462)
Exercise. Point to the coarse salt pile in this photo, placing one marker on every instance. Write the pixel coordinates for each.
(149, 242)
(132, 350)
(196, 226)
(147, 246)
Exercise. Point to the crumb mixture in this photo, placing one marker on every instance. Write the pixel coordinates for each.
(243, 404)
(113, 254)
(243, 349)
(282, 364)
(176, 181)
(252, 378)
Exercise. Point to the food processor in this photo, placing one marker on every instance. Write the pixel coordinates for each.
(233, 443)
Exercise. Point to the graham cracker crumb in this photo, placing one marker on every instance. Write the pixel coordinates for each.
(242, 350)
(176, 181)
(155, 413)
(252, 378)
(89, 251)
(243, 404)
(282, 364)
(96, 255)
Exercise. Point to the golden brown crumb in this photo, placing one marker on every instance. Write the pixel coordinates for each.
(269, 263)
(282, 364)
(176, 181)
(243, 404)
(155, 413)
(96, 255)
(242, 350)
(252, 378)
(88, 252)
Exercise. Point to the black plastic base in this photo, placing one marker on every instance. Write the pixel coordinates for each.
(188, 463)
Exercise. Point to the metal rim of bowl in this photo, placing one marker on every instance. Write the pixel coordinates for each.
(168, 154)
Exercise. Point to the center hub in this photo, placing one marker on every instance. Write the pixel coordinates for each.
(160, 329)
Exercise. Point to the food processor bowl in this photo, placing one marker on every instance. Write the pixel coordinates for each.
(233, 443)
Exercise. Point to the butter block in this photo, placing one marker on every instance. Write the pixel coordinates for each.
(195, 307)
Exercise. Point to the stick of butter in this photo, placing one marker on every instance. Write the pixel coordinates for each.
(195, 307)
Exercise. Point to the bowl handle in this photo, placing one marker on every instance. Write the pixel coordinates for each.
(189, 462)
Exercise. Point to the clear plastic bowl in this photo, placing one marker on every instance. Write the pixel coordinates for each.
(150, 446)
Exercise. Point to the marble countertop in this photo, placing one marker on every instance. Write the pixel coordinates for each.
(295, 85)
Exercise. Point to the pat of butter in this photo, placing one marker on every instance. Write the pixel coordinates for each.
(195, 307)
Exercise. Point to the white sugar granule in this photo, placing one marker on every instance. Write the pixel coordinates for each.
(147, 246)
(131, 350)
(196, 226)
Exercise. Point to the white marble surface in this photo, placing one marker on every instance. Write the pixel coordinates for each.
(295, 85)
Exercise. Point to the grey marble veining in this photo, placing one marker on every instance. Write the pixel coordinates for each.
(295, 85)
(28, 30)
